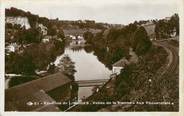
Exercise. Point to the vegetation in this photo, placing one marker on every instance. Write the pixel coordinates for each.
(148, 65)
(67, 67)
(32, 53)
(112, 44)
(21, 79)
(88, 36)
(133, 84)
(141, 42)
(35, 56)
(85, 24)
(21, 35)
(165, 28)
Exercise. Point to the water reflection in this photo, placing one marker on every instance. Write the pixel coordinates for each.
(77, 48)
(88, 67)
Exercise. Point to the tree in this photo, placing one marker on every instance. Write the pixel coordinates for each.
(31, 35)
(117, 55)
(141, 42)
(165, 28)
(174, 23)
(21, 64)
(52, 31)
(88, 36)
(8, 26)
(67, 66)
(28, 67)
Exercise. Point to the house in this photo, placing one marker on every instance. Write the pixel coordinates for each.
(72, 37)
(77, 40)
(167, 18)
(80, 37)
(173, 34)
(37, 94)
(43, 29)
(47, 38)
(119, 65)
(80, 40)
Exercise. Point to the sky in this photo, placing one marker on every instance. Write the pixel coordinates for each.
(110, 11)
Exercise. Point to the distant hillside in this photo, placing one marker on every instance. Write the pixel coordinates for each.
(64, 24)
(86, 24)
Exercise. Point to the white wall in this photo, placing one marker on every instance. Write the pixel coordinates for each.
(43, 29)
(116, 70)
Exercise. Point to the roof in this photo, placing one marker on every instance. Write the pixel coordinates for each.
(46, 83)
(26, 103)
(150, 29)
(19, 95)
(121, 63)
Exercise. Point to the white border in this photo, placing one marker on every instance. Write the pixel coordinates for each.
(2, 36)
(181, 56)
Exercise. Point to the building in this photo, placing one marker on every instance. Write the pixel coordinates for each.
(119, 65)
(23, 21)
(72, 37)
(43, 29)
(167, 18)
(77, 40)
(44, 40)
(47, 38)
(80, 40)
(35, 95)
(173, 34)
(13, 47)
(150, 29)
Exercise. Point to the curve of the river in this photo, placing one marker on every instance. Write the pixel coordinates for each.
(88, 67)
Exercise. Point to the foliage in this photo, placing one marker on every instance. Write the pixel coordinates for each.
(86, 24)
(19, 80)
(35, 56)
(112, 44)
(124, 81)
(67, 66)
(117, 55)
(31, 53)
(20, 64)
(31, 35)
(164, 29)
(141, 42)
(88, 36)
(52, 31)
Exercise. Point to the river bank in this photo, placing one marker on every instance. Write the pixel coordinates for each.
(135, 83)
(87, 67)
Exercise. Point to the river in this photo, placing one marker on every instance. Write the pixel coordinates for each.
(88, 67)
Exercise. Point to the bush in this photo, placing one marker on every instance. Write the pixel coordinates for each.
(19, 80)
(141, 42)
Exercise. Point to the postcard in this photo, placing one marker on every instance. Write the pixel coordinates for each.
(92, 56)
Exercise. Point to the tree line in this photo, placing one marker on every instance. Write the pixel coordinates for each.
(165, 28)
(112, 44)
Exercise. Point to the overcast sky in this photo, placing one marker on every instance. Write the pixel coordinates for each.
(110, 11)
